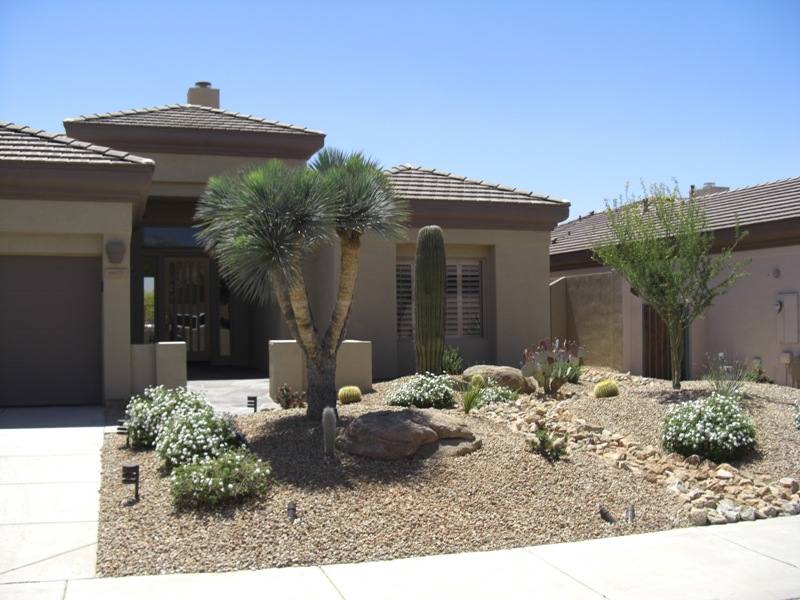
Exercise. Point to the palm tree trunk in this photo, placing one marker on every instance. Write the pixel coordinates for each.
(350, 247)
(321, 391)
(306, 330)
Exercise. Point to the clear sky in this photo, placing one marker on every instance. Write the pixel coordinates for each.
(570, 99)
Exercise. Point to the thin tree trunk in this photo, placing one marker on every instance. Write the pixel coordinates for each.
(676, 353)
(285, 304)
(306, 330)
(321, 385)
(350, 247)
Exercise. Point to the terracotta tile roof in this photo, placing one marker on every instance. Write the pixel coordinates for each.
(763, 203)
(417, 183)
(192, 116)
(20, 143)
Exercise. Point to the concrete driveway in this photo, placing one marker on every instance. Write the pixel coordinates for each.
(49, 500)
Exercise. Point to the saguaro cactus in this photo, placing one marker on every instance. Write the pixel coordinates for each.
(430, 273)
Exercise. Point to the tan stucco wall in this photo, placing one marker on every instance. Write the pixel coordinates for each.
(516, 293)
(186, 174)
(71, 228)
(588, 309)
(742, 323)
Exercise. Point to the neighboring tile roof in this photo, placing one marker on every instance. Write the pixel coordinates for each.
(20, 143)
(773, 201)
(192, 116)
(417, 183)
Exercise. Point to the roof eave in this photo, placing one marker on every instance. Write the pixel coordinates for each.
(494, 214)
(77, 181)
(181, 140)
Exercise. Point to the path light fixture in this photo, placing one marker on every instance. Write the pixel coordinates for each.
(130, 474)
(122, 429)
(252, 402)
(291, 511)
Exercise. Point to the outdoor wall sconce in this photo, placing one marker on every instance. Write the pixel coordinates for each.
(130, 474)
(115, 251)
(291, 511)
(122, 429)
(252, 402)
(778, 306)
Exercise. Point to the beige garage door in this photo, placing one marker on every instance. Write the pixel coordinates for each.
(50, 339)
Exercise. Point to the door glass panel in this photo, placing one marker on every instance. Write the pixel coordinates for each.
(149, 300)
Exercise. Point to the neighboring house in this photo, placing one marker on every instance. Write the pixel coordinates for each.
(756, 320)
(98, 257)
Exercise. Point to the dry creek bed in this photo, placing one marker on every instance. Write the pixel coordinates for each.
(501, 496)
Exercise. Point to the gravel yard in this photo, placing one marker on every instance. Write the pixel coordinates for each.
(639, 409)
(356, 509)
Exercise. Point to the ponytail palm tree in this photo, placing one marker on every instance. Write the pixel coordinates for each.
(261, 225)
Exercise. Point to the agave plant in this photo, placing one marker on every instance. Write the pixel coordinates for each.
(552, 363)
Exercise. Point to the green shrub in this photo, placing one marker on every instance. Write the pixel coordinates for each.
(543, 443)
(452, 363)
(716, 427)
(288, 398)
(574, 376)
(229, 477)
(194, 435)
(552, 363)
(424, 391)
(471, 398)
(145, 415)
(349, 394)
(481, 392)
(606, 389)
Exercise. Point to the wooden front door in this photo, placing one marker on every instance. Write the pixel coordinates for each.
(186, 309)
(655, 345)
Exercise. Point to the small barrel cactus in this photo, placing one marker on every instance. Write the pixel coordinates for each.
(606, 389)
(430, 275)
(349, 394)
(328, 430)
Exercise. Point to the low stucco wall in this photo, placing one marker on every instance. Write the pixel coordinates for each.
(162, 363)
(287, 365)
(588, 310)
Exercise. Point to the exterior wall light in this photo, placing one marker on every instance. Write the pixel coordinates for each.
(115, 251)
(778, 306)
(130, 474)
(252, 402)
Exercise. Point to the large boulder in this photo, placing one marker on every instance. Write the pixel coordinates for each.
(396, 434)
(509, 377)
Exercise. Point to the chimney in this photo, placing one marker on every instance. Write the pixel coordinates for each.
(203, 94)
(709, 187)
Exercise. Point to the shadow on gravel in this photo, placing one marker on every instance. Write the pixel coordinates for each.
(293, 446)
(679, 396)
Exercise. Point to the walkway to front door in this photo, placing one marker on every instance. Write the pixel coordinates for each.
(227, 388)
(49, 484)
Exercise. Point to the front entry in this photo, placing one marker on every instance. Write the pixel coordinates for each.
(186, 314)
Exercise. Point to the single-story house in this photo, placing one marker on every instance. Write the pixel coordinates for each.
(103, 288)
(756, 320)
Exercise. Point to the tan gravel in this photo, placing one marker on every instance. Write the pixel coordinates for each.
(357, 509)
(639, 410)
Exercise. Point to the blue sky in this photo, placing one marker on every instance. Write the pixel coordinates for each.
(571, 99)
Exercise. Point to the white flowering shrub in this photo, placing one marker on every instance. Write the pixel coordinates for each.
(147, 414)
(424, 391)
(193, 435)
(494, 392)
(230, 477)
(716, 427)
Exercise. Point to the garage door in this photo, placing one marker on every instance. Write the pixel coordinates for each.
(50, 337)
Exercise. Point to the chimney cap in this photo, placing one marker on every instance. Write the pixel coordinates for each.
(203, 84)
(709, 184)
(203, 94)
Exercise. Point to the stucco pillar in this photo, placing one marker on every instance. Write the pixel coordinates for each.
(116, 319)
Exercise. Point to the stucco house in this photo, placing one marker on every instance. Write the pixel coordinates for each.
(103, 288)
(757, 320)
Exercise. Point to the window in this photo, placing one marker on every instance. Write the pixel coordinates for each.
(463, 300)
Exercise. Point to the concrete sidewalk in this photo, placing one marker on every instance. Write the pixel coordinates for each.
(49, 493)
(759, 560)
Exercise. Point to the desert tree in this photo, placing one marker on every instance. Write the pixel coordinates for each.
(263, 224)
(661, 244)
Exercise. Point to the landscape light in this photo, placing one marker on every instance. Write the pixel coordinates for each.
(252, 402)
(291, 511)
(130, 474)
